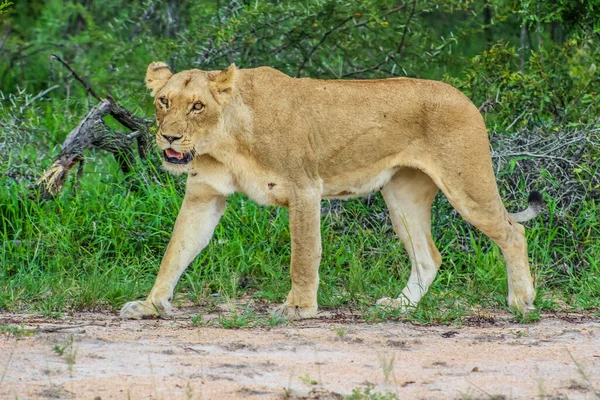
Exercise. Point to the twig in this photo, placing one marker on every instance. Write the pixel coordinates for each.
(484, 392)
(133, 135)
(52, 329)
(316, 46)
(38, 96)
(68, 88)
(410, 16)
(486, 105)
(360, 71)
(516, 119)
(186, 348)
(583, 374)
(528, 154)
(576, 99)
(87, 87)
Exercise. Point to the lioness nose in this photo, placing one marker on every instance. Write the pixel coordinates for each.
(171, 139)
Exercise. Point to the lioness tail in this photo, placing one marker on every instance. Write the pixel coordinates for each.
(536, 205)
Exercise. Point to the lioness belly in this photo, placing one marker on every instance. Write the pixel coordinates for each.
(356, 184)
(271, 190)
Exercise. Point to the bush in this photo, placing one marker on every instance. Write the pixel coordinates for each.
(557, 87)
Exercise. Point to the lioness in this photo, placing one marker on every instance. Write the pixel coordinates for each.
(292, 142)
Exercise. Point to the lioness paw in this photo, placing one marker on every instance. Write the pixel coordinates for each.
(523, 303)
(141, 309)
(401, 303)
(295, 312)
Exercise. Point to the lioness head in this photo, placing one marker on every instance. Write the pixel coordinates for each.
(188, 109)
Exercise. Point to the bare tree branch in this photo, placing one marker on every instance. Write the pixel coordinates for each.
(316, 46)
(92, 132)
(87, 87)
(406, 25)
(389, 56)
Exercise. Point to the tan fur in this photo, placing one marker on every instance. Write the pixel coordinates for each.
(291, 142)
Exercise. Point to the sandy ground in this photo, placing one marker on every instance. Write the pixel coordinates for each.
(488, 357)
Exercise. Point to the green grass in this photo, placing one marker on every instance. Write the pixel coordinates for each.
(16, 331)
(367, 393)
(101, 247)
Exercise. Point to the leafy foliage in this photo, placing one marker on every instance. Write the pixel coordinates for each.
(573, 14)
(559, 86)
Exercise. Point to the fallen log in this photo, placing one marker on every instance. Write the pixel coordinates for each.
(92, 132)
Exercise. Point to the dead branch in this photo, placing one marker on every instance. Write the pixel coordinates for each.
(87, 87)
(92, 132)
(52, 329)
(134, 123)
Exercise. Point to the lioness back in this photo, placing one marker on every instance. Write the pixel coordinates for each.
(354, 125)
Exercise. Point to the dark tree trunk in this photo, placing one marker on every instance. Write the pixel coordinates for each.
(487, 22)
(522, 48)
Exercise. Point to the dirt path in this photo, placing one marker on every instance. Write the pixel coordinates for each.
(113, 359)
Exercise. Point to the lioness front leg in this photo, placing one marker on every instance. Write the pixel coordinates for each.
(305, 231)
(200, 212)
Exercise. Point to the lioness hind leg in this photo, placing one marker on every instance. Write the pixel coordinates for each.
(475, 196)
(409, 196)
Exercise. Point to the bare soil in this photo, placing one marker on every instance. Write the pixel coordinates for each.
(488, 356)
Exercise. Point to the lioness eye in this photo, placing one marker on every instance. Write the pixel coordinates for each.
(198, 106)
(164, 101)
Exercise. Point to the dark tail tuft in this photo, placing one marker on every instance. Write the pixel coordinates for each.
(536, 201)
(535, 207)
(535, 197)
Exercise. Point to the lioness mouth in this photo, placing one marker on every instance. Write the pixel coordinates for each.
(175, 157)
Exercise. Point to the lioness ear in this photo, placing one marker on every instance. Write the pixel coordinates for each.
(157, 75)
(221, 84)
